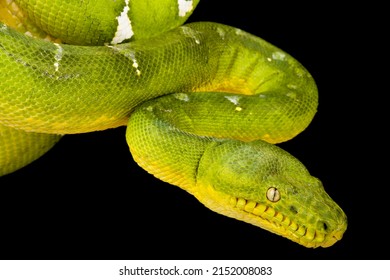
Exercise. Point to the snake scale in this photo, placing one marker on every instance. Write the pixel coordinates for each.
(204, 104)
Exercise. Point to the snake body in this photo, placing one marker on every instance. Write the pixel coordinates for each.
(202, 103)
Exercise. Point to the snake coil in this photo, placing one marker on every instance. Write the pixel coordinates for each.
(203, 104)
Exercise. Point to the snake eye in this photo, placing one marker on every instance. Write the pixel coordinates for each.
(273, 194)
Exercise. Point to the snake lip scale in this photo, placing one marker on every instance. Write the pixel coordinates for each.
(311, 238)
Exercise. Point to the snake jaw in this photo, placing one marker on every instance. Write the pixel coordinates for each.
(267, 217)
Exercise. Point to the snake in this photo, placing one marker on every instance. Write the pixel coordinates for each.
(205, 104)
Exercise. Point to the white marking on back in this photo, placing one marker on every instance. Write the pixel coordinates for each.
(292, 94)
(182, 96)
(221, 33)
(239, 32)
(135, 63)
(130, 54)
(278, 55)
(233, 98)
(124, 29)
(292, 86)
(189, 32)
(57, 56)
(185, 6)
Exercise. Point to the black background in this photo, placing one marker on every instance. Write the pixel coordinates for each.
(87, 199)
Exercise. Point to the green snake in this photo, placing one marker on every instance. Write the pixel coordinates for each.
(204, 104)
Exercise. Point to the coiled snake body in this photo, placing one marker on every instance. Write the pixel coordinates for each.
(202, 102)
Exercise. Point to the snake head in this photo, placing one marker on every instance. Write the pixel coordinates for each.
(261, 184)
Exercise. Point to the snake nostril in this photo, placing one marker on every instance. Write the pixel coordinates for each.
(322, 225)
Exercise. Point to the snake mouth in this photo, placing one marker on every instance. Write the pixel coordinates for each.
(268, 218)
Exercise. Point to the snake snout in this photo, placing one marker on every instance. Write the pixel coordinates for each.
(334, 229)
